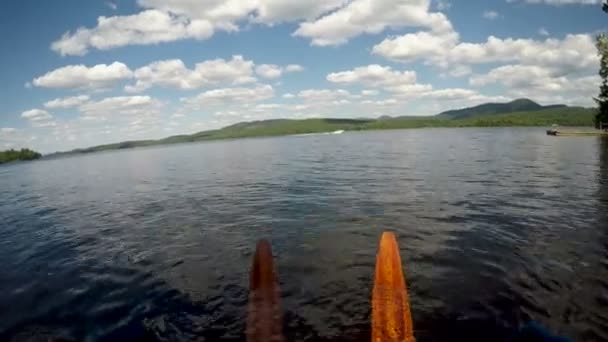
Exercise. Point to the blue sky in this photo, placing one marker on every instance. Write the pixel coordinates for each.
(80, 73)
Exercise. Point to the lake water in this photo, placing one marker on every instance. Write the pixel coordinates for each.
(496, 227)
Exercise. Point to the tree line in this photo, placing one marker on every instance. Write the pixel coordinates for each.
(22, 154)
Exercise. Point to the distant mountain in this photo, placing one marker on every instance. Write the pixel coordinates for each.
(521, 112)
(519, 105)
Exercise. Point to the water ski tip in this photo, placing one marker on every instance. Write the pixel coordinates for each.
(391, 316)
(264, 320)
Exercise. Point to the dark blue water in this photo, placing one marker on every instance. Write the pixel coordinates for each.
(496, 227)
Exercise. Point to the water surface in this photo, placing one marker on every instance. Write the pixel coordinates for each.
(496, 227)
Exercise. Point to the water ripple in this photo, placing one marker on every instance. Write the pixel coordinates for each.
(496, 227)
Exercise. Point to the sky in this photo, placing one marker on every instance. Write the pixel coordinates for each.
(81, 73)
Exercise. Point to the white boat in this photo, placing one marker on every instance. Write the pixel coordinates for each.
(338, 131)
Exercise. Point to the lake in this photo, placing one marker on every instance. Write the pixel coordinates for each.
(497, 227)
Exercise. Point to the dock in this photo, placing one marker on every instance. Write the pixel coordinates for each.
(577, 133)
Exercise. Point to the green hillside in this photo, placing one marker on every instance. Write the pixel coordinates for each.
(519, 105)
(480, 116)
(14, 155)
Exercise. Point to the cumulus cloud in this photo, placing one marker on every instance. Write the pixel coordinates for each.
(573, 53)
(269, 71)
(222, 13)
(120, 107)
(83, 77)
(15, 138)
(67, 102)
(277, 11)
(458, 71)
(36, 115)
(369, 92)
(173, 73)
(371, 17)
(514, 75)
(144, 28)
(410, 90)
(451, 94)
(327, 22)
(490, 15)
(294, 68)
(231, 96)
(575, 91)
(272, 71)
(400, 84)
(540, 83)
(377, 76)
(337, 96)
(373, 75)
(409, 47)
(7, 130)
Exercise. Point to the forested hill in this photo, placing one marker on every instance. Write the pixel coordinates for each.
(519, 105)
(487, 115)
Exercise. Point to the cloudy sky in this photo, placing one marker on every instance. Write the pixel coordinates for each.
(79, 73)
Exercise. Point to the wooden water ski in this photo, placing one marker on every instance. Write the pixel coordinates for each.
(264, 320)
(391, 316)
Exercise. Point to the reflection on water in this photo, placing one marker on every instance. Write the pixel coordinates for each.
(496, 227)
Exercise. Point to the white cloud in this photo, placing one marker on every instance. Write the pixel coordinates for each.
(172, 20)
(36, 115)
(231, 96)
(325, 96)
(575, 52)
(173, 73)
(67, 102)
(326, 22)
(543, 31)
(410, 90)
(490, 15)
(277, 11)
(386, 102)
(264, 107)
(373, 75)
(540, 83)
(15, 138)
(272, 71)
(459, 71)
(7, 130)
(371, 17)
(401, 85)
(269, 71)
(514, 75)
(451, 94)
(412, 46)
(294, 68)
(223, 14)
(83, 77)
(144, 28)
(370, 92)
(288, 96)
(120, 107)
(112, 5)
